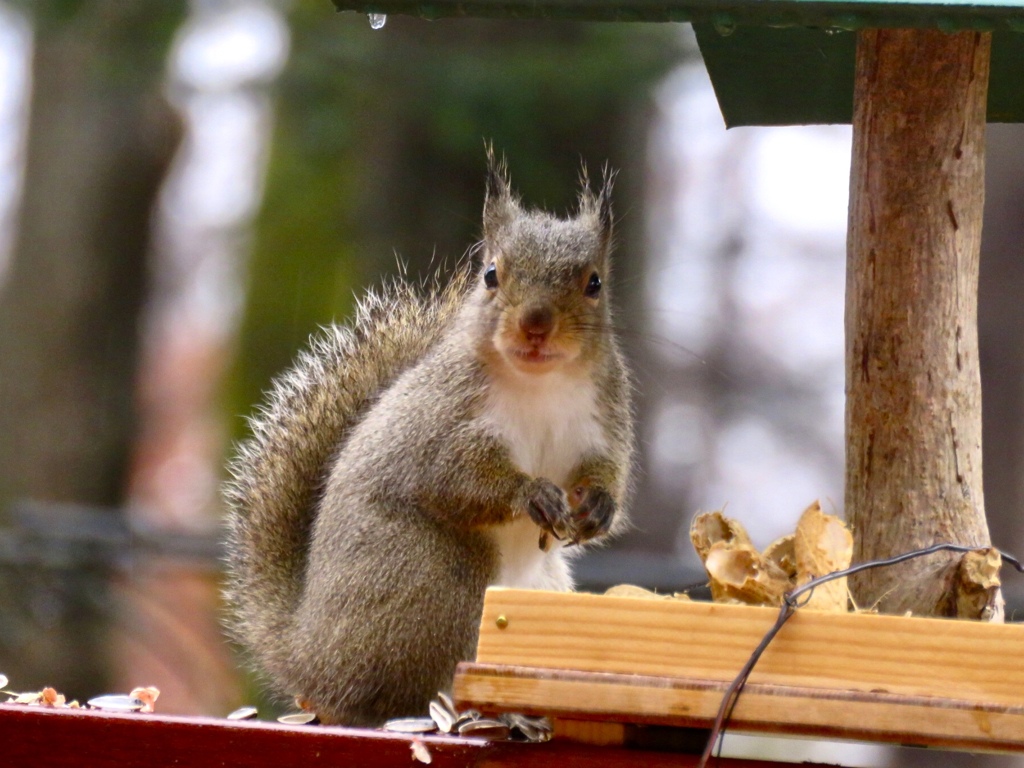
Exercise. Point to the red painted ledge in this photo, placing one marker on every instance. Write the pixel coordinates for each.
(45, 736)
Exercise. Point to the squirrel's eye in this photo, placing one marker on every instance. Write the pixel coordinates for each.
(593, 286)
(491, 277)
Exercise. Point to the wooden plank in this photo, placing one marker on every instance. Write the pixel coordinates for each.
(597, 732)
(39, 736)
(895, 718)
(968, 661)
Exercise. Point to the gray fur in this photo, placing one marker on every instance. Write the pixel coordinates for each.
(359, 509)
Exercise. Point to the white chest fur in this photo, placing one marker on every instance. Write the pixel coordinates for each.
(549, 422)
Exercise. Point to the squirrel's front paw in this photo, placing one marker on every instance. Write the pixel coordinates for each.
(592, 511)
(548, 507)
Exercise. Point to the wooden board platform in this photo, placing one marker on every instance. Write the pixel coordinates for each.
(906, 680)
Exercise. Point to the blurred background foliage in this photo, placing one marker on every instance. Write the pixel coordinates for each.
(117, 377)
(101, 142)
(378, 152)
(377, 161)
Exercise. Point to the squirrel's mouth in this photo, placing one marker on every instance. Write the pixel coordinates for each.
(539, 357)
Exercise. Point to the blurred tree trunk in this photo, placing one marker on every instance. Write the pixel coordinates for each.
(100, 141)
(1000, 327)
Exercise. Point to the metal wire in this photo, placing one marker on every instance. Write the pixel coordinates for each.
(791, 601)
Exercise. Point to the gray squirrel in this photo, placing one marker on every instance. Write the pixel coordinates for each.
(448, 440)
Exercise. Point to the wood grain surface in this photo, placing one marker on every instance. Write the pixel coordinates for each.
(962, 660)
(808, 712)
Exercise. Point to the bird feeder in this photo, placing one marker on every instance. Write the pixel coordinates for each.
(918, 80)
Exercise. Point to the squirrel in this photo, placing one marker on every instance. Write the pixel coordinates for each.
(447, 440)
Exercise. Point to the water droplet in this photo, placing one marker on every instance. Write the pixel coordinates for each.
(724, 24)
(377, 20)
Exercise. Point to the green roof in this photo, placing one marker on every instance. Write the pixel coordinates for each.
(776, 62)
(797, 75)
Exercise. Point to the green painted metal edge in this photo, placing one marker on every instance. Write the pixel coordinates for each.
(789, 76)
(776, 62)
(948, 15)
(793, 76)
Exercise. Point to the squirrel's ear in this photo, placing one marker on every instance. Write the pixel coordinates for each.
(598, 205)
(499, 203)
(604, 200)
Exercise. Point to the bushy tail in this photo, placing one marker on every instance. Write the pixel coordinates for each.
(278, 473)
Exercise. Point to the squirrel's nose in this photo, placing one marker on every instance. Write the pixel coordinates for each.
(537, 322)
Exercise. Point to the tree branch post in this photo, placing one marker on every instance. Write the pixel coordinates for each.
(913, 400)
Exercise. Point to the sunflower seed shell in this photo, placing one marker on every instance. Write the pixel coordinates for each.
(448, 704)
(420, 751)
(468, 716)
(298, 718)
(442, 717)
(492, 730)
(411, 725)
(116, 703)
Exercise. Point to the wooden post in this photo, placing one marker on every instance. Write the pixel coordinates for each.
(913, 409)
